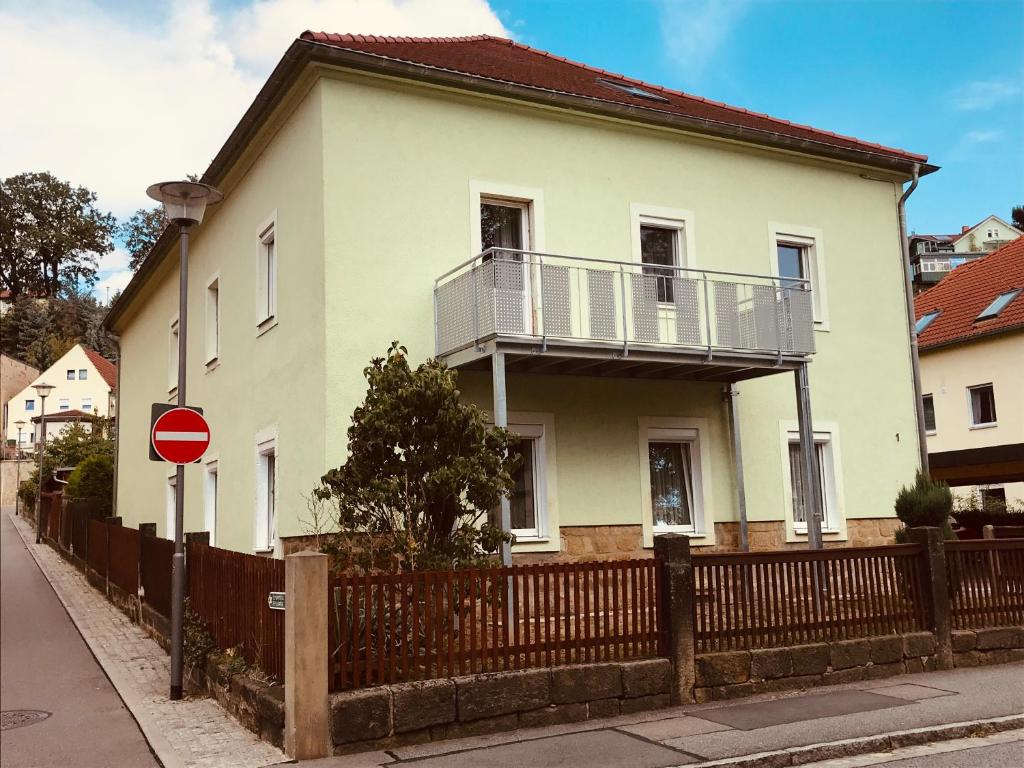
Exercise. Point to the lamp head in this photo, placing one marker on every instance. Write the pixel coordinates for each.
(184, 201)
(20, 423)
(43, 389)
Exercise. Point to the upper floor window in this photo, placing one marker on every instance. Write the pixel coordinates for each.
(983, 405)
(998, 305)
(925, 320)
(30, 405)
(86, 403)
(71, 374)
(213, 321)
(268, 275)
(929, 413)
(659, 248)
(798, 259)
(793, 263)
(64, 404)
(993, 233)
(504, 224)
(83, 374)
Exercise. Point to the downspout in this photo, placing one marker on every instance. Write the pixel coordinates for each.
(908, 290)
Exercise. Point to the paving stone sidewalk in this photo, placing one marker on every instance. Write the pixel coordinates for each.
(193, 732)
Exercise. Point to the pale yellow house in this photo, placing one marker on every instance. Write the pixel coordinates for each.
(971, 329)
(609, 255)
(83, 380)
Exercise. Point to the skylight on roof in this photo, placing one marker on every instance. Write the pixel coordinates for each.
(998, 305)
(926, 320)
(632, 90)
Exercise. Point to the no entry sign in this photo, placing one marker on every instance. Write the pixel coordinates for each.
(180, 436)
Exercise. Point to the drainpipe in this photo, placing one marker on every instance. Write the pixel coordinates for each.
(915, 360)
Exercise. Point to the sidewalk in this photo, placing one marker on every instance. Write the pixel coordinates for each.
(194, 732)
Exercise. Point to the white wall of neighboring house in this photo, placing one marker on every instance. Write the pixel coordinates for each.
(985, 236)
(91, 394)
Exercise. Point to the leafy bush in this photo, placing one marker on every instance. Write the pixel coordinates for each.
(424, 470)
(973, 514)
(926, 502)
(93, 479)
(28, 490)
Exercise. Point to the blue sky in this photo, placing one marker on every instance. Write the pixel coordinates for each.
(942, 78)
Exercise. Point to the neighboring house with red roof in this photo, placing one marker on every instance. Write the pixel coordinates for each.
(935, 256)
(971, 336)
(609, 253)
(85, 385)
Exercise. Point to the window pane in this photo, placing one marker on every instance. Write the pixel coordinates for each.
(791, 262)
(523, 499)
(82, 374)
(30, 405)
(993, 499)
(71, 375)
(983, 405)
(929, 413)
(796, 479)
(501, 226)
(658, 247)
(671, 483)
(271, 498)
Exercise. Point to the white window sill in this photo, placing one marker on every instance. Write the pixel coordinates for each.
(689, 531)
(265, 325)
(932, 433)
(824, 532)
(530, 539)
(263, 550)
(212, 364)
(990, 425)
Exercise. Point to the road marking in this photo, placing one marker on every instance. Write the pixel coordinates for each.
(921, 750)
(188, 437)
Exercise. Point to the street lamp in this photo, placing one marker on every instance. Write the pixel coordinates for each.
(43, 390)
(184, 205)
(17, 458)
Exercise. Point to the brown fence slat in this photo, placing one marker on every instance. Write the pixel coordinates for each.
(985, 578)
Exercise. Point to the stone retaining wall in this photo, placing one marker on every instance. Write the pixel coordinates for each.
(257, 705)
(995, 645)
(449, 708)
(732, 674)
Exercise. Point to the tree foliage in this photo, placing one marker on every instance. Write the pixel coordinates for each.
(140, 234)
(70, 448)
(423, 472)
(1017, 217)
(39, 331)
(51, 235)
(93, 480)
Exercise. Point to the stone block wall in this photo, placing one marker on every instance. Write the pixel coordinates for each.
(448, 708)
(995, 645)
(257, 705)
(733, 674)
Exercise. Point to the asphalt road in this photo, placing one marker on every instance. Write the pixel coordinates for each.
(45, 666)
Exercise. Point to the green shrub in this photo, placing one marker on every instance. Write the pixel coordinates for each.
(28, 490)
(926, 502)
(93, 479)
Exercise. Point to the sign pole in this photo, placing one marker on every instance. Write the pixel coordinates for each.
(178, 563)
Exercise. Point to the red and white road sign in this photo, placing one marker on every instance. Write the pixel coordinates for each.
(181, 436)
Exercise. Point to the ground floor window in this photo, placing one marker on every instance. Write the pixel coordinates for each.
(673, 460)
(172, 494)
(528, 500)
(826, 482)
(210, 500)
(266, 494)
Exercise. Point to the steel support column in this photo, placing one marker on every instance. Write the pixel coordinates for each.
(501, 420)
(731, 392)
(808, 458)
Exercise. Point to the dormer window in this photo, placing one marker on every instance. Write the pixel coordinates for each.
(998, 305)
(926, 320)
(632, 90)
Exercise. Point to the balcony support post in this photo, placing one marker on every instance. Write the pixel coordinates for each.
(808, 458)
(501, 420)
(731, 393)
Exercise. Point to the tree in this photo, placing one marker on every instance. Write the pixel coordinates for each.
(424, 471)
(93, 480)
(51, 235)
(1017, 217)
(141, 232)
(39, 331)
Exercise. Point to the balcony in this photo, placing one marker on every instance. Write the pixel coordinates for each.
(553, 313)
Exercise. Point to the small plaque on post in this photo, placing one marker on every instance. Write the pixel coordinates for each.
(275, 601)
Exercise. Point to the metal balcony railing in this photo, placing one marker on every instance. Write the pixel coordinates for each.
(555, 298)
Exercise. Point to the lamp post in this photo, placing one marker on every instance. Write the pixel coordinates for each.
(43, 390)
(184, 205)
(17, 458)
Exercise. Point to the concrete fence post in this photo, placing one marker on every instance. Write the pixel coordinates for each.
(676, 610)
(936, 590)
(307, 732)
(147, 529)
(198, 537)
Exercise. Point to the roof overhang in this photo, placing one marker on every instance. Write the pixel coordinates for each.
(303, 53)
(974, 466)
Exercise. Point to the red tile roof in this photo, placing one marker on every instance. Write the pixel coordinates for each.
(965, 293)
(105, 368)
(69, 415)
(496, 58)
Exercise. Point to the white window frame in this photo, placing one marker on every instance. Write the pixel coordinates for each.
(265, 532)
(267, 283)
(694, 431)
(211, 497)
(813, 241)
(481, 191)
(172, 486)
(970, 407)
(30, 404)
(834, 528)
(930, 396)
(64, 404)
(172, 357)
(682, 221)
(212, 328)
(535, 433)
(71, 374)
(87, 404)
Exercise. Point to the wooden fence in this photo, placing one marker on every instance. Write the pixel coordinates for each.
(985, 582)
(123, 558)
(773, 599)
(97, 547)
(229, 591)
(155, 564)
(396, 627)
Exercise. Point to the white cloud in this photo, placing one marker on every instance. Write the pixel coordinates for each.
(106, 287)
(966, 147)
(693, 30)
(984, 94)
(117, 259)
(115, 100)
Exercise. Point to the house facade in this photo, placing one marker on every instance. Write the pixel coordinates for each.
(609, 265)
(972, 369)
(932, 257)
(83, 381)
(14, 377)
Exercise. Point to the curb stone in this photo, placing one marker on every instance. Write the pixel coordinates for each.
(886, 742)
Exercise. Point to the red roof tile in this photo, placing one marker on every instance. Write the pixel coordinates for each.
(105, 368)
(965, 293)
(496, 58)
